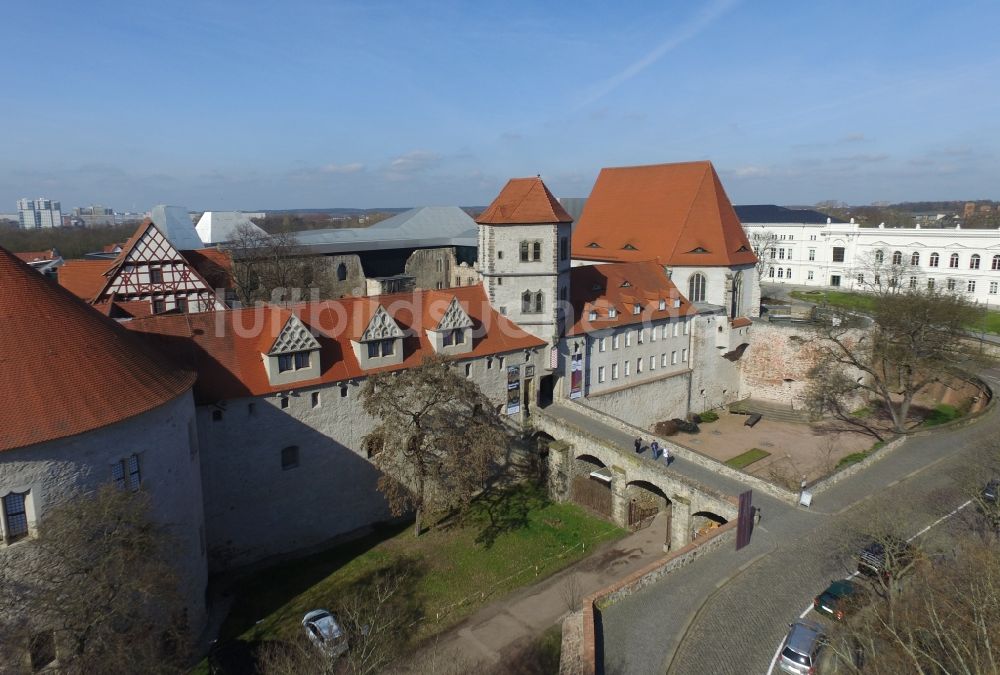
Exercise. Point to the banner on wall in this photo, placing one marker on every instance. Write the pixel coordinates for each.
(576, 376)
(513, 390)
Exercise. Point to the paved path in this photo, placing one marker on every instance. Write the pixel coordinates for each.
(727, 612)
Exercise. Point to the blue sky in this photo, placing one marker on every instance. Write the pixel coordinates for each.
(257, 105)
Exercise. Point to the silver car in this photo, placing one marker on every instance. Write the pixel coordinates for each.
(801, 648)
(325, 632)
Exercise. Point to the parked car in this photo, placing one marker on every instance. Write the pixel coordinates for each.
(801, 649)
(989, 492)
(879, 558)
(324, 631)
(840, 598)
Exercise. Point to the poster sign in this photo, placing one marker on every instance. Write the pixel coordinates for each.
(529, 371)
(513, 390)
(576, 376)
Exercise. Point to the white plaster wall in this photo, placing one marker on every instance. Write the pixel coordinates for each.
(715, 380)
(650, 348)
(255, 509)
(645, 404)
(169, 472)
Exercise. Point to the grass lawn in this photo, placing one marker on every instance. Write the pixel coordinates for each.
(747, 458)
(512, 540)
(989, 323)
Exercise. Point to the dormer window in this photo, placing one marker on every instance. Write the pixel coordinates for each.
(663, 304)
(381, 348)
(626, 284)
(453, 337)
(593, 315)
(612, 313)
(293, 361)
(593, 244)
(637, 309)
(698, 250)
(742, 249)
(629, 247)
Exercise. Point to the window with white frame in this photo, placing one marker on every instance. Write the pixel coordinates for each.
(615, 341)
(126, 474)
(600, 374)
(592, 315)
(652, 334)
(781, 273)
(628, 340)
(781, 254)
(628, 368)
(638, 366)
(953, 260)
(663, 359)
(15, 516)
(971, 286)
(809, 274)
(913, 282)
(687, 327)
(684, 355)
(951, 284)
(602, 344)
(934, 259)
(639, 334)
(614, 371)
(636, 310)
(915, 258)
(652, 363)
(930, 283)
(612, 312)
(812, 254)
(993, 288)
(996, 263)
(974, 262)
(673, 358)
(663, 304)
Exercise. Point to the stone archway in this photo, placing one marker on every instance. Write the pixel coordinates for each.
(703, 522)
(647, 503)
(590, 485)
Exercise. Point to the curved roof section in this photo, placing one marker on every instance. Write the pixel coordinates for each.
(772, 214)
(678, 213)
(422, 226)
(66, 369)
(524, 201)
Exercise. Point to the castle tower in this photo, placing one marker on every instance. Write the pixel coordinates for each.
(524, 256)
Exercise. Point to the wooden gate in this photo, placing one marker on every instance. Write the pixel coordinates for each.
(593, 494)
(641, 514)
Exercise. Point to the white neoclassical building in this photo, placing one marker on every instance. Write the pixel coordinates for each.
(812, 249)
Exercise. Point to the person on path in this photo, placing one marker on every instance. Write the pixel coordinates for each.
(655, 449)
(638, 444)
(666, 455)
(756, 516)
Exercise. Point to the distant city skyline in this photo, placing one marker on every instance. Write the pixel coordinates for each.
(257, 106)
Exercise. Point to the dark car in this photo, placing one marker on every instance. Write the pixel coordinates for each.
(989, 492)
(881, 557)
(840, 598)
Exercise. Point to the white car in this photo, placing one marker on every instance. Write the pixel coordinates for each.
(325, 632)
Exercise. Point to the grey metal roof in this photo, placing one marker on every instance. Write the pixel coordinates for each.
(420, 227)
(770, 213)
(176, 225)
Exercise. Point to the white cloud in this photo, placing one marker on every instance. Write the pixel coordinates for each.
(353, 167)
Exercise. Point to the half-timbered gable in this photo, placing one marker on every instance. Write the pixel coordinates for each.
(150, 270)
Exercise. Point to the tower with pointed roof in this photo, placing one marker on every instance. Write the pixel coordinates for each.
(524, 256)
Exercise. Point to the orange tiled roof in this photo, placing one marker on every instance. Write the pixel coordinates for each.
(524, 201)
(97, 372)
(84, 278)
(622, 286)
(38, 256)
(225, 347)
(213, 264)
(678, 213)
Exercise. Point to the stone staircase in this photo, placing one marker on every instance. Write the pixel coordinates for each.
(770, 410)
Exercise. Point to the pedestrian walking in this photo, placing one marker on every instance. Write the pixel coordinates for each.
(655, 448)
(666, 455)
(638, 444)
(756, 516)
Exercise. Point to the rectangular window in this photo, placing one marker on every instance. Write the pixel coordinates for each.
(639, 336)
(343, 391)
(773, 253)
(289, 457)
(930, 283)
(592, 315)
(628, 338)
(838, 254)
(652, 334)
(684, 355)
(15, 517)
(809, 274)
(524, 251)
(284, 403)
(602, 344)
(314, 399)
(182, 304)
(125, 473)
(971, 286)
(301, 360)
(489, 363)
(612, 312)
(687, 327)
(468, 370)
(628, 368)
(614, 341)
(636, 310)
(448, 339)
(614, 371)
(155, 275)
(652, 363)
(285, 362)
(812, 254)
(663, 304)
(663, 359)
(600, 374)
(993, 288)
(536, 251)
(781, 254)
(638, 366)
(159, 306)
(673, 358)
(372, 350)
(388, 346)
(563, 248)
(676, 329)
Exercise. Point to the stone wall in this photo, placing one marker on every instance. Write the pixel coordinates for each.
(431, 267)
(715, 380)
(255, 509)
(169, 472)
(329, 267)
(644, 405)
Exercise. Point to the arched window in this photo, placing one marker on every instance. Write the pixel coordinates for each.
(996, 262)
(934, 259)
(915, 258)
(781, 273)
(537, 251)
(974, 262)
(879, 256)
(696, 287)
(897, 257)
(341, 272)
(736, 306)
(538, 301)
(526, 302)
(770, 272)
(953, 261)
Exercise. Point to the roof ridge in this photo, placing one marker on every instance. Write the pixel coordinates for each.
(687, 216)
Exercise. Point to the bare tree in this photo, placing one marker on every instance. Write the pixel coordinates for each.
(883, 272)
(96, 588)
(764, 242)
(271, 267)
(438, 439)
(916, 338)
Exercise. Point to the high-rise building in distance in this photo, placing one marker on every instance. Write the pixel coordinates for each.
(41, 212)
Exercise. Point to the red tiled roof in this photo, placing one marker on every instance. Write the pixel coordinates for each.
(84, 278)
(213, 264)
(38, 256)
(225, 347)
(524, 201)
(622, 286)
(741, 322)
(678, 213)
(64, 368)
